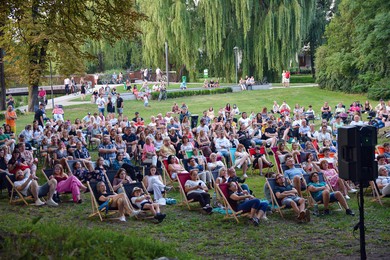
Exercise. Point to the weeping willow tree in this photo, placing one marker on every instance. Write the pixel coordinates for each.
(268, 34)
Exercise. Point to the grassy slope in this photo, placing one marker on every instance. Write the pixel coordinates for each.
(211, 236)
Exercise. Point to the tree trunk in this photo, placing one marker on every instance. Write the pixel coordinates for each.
(2, 82)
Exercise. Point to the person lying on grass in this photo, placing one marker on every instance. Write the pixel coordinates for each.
(321, 193)
(288, 196)
(242, 200)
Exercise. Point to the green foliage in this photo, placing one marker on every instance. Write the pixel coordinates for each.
(53, 241)
(356, 62)
(304, 78)
(267, 33)
(380, 90)
(187, 93)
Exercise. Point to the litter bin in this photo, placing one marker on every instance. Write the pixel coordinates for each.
(194, 120)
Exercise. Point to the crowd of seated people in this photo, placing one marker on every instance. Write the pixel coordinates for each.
(122, 142)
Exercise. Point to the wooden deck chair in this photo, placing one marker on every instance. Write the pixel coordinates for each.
(223, 192)
(70, 164)
(276, 158)
(275, 206)
(16, 196)
(168, 180)
(128, 189)
(252, 152)
(182, 178)
(48, 173)
(375, 193)
(102, 213)
(321, 178)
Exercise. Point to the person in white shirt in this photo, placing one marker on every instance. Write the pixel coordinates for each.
(323, 135)
(357, 121)
(67, 86)
(197, 190)
(383, 181)
(222, 145)
(244, 120)
(27, 184)
(101, 103)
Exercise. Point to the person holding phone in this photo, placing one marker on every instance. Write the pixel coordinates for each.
(197, 190)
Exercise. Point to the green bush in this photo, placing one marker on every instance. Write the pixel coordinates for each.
(306, 78)
(186, 93)
(380, 89)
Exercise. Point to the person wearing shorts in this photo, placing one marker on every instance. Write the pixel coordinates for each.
(288, 196)
(321, 192)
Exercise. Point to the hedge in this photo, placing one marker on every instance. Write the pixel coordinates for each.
(186, 93)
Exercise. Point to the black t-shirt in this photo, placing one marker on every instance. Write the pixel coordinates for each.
(119, 102)
(129, 138)
(38, 114)
(135, 119)
(269, 130)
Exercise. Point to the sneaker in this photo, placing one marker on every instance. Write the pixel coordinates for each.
(122, 219)
(245, 176)
(264, 218)
(326, 212)
(347, 197)
(134, 213)
(39, 203)
(52, 203)
(255, 221)
(79, 201)
(239, 166)
(160, 217)
(168, 188)
(352, 190)
(349, 212)
(307, 215)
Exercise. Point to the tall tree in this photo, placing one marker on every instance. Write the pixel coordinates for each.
(269, 33)
(35, 28)
(356, 55)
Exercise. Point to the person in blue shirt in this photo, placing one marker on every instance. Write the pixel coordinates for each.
(321, 192)
(295, 175)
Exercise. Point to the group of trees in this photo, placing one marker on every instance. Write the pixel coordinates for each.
(356, 55)
(36, 32)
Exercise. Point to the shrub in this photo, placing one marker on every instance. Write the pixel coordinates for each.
(307, 78)
(186, 93)
(380, 89)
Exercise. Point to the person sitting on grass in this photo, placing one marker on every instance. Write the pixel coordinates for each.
(27, 184)
(144, 202)
(242, 200)
(288, 196)
(321, 193)
(67, 183)
(197, 190)
(116, 201)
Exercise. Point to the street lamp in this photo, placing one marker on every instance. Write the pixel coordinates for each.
(235, 49)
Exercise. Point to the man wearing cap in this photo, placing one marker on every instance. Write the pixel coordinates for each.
(119, 103)
(136, 117)
(87, 118)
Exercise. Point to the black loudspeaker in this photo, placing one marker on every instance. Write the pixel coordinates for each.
(356, 153)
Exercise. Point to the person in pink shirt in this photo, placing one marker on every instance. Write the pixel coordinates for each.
(149, 154)
(67, 183)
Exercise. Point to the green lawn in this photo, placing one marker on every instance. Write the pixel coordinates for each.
(188, 234)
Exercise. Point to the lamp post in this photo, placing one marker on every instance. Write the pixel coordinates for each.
(51, 85)
(166, 62)
(235, 49)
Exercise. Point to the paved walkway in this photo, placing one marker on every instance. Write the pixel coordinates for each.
(70, 100)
